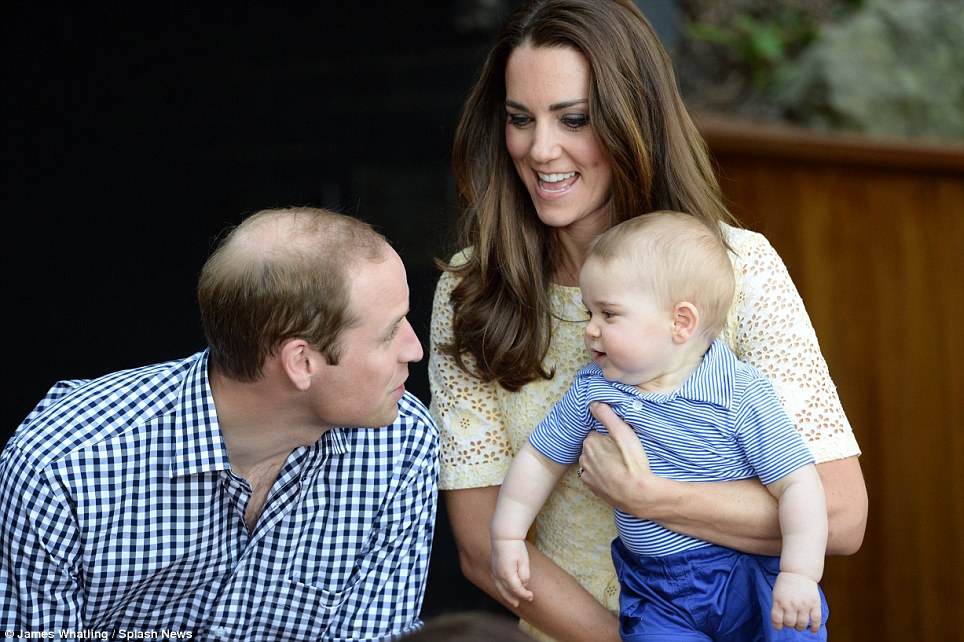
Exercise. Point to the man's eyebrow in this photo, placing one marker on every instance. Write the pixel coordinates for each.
(394, 324)
(553, 107)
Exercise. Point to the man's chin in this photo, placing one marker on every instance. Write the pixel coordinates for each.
(385, 419)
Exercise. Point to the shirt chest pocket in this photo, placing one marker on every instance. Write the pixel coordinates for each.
(307, 609)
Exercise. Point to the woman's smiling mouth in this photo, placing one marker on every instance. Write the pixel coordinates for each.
(555, 183)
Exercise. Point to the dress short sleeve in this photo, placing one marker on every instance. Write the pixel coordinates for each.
(769, 328)
(476, 450)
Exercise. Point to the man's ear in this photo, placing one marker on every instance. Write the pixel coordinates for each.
(299, 362)
(686, 319)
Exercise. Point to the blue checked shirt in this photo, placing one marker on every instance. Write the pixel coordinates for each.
(724, 423)
(119, 512)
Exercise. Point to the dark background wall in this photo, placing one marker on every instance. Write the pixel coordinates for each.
(134, 132)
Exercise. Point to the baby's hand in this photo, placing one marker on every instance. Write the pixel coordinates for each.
(510, 569)
(796, 603)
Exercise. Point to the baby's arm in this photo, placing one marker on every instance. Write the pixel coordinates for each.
(527, 485)
(803, 523)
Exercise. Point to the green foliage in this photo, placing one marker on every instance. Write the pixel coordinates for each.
(881, 67)
(894, 68)
(763, 44)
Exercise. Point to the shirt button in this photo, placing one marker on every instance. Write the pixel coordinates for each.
(219, 632)
(637, 404)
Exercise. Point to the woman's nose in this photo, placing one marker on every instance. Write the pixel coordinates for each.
(545, 144)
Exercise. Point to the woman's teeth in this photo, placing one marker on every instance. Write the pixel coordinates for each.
(555, 178)
(548, 181)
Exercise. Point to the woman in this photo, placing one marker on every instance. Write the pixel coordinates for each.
(574, 125)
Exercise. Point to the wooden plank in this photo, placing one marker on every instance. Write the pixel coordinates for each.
(873, 235)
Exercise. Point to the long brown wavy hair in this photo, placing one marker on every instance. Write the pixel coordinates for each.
(502, 317)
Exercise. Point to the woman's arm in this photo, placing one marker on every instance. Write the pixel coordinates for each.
(561, 607)
(737, 514)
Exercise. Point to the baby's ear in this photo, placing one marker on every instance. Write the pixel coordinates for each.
(686, 319)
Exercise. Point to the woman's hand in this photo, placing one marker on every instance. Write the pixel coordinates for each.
(615, 468)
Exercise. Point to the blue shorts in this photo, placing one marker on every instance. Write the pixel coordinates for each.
(707, 594)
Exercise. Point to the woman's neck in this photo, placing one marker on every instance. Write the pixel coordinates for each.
(572, 254)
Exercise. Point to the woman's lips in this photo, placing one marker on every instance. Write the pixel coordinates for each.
(555, 184)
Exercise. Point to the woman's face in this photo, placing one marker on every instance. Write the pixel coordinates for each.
(551, 141)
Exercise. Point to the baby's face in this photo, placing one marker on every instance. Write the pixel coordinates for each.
(629, 336)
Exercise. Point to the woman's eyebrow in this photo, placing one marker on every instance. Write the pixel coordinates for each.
(553, 107)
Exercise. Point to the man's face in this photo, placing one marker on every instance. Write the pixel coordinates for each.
(363, 390)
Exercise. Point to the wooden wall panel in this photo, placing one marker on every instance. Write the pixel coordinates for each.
(873, 235)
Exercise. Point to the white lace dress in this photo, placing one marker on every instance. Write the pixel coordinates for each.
(483, 425)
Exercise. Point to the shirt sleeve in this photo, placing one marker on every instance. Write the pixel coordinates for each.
(476, 446)
(560, 435)
(40, 587)
(771, 330)
(766, 435)
(386, 599)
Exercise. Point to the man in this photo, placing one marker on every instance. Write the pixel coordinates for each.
(280, 485)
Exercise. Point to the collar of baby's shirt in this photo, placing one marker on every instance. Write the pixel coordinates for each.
(714, 379)
(712, 382)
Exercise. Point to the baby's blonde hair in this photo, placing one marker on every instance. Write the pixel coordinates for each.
(675, 257)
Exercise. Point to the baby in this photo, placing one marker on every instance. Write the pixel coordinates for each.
(658, 288)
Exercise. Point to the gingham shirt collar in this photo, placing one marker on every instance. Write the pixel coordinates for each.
(199, 446)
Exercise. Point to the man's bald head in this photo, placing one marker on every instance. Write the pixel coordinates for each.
(281, 274)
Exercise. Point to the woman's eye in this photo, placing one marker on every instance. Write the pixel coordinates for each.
(575, 121)
(518, 120)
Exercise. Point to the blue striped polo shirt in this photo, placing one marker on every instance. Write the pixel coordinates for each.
(724, 423)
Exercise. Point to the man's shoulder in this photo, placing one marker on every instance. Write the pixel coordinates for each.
(412, 412)
(75, 414)
(414, 432)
